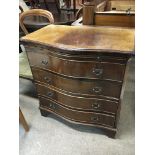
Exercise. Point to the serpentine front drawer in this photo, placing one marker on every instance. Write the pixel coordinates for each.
(75, 86)
(76, 102)
(78, 69)
(79, 116)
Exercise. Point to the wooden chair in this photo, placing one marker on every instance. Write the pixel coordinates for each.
(33, 19)
(23, 121)
(24, 68)
(39, 18)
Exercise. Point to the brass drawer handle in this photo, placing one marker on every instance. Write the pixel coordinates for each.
(94, 118)
(50, 94)
(47, 79)
(52, 105)
(95, 105)
(97, 90)
(44, 62)
(97, 71)
(98, 58)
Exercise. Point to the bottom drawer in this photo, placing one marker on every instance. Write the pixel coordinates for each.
(78, 116)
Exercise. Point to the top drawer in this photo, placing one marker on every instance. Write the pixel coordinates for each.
(77, 69)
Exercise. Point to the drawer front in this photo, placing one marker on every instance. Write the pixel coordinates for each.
(81, 56)
(79, 116)
(82, 103)
(79, 87)
(80, 69)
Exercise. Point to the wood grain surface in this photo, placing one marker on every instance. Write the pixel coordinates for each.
(110, 39)
(77, 102)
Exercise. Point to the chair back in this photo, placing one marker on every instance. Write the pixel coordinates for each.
(35, 12)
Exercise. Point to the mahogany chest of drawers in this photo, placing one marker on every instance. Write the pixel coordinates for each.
(79, 72)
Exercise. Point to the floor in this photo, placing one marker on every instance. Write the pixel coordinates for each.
(53, 136)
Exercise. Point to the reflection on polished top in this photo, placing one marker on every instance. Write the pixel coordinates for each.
(84, 38)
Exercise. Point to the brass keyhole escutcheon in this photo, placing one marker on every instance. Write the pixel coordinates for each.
(50, 94)
(44, 62)
(97, 90)
(97, 71)
(95, 118)
(47, 79)
(95, 105)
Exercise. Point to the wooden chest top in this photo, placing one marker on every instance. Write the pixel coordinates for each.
(84, 38)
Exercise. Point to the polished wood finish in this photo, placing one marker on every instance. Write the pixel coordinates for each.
(108, 13)
(88, 11)
(120, 19)
(80, 81)
(81, 103)
(102, 88)
(35, 12)
(78, 116)
(84, 55)
(120, 5)
(85, 87)
(23, 121)
(73, 38)
(76, 68)
(110, 132)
